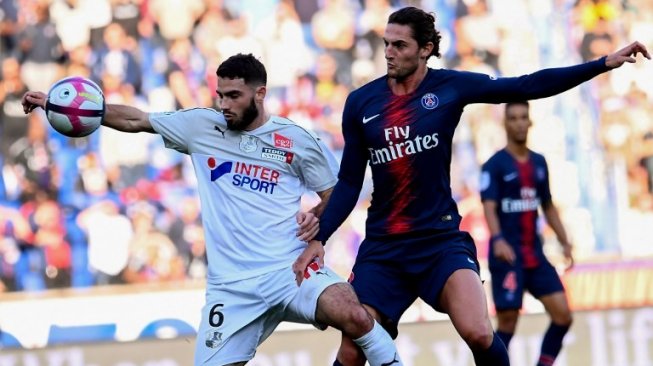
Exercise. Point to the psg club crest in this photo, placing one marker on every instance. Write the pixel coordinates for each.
(248, 143)
(541, 174)
(430, 101)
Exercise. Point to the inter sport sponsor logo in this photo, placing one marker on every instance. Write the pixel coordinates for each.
(249, 176)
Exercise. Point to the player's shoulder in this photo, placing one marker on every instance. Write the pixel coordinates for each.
(197, 113)
(288, 134)
(210, 114)
(496, 159)
(368, 90)
(206, 116)
(537, 158)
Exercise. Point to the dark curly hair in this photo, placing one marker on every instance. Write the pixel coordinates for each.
(422, 25)
(246, 67)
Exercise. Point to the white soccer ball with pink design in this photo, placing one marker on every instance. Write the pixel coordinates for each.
(75, 106)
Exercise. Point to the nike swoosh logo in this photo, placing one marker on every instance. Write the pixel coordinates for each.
(367, 119)
(470, 260)
(509, 177)
(394, 360)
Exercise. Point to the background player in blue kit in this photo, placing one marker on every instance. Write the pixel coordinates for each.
(514, 184)
(402, 125)
(252, 169)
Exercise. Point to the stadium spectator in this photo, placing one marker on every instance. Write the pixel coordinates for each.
(40, 50)
(14, 232)
(371, 24)
(186, 233)
(647, 159)
(8, 27)
(50, 235)
(127, 13)
(597, 41)
(152, 255)
(117, 58)
(186, 72)
(13, 123)
(175, 19)
(334, 31)
(109, 235)
(126, 155)
(284, 50)
(478, 33)
(33, 160)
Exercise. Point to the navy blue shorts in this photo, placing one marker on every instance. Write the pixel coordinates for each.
(510, 282)
(390, 275)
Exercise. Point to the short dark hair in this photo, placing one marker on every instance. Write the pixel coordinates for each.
(422, 25)
(246, 67)
(515, 102)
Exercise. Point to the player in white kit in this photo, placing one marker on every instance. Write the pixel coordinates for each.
(252, 169)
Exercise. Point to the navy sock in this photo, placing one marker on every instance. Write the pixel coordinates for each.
(552, 343)
(505, 337)
(496, 355)
(336, 363)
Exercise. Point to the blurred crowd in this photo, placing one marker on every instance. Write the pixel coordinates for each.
(115, 208)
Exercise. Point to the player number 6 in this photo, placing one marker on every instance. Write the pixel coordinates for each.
(216, 312)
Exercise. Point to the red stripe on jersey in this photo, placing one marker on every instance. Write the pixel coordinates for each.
(398, 114)
(526, 177)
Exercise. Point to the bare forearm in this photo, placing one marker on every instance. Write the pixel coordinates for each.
(490, 210)
(127, 119)
(553, 219)
(319, 208)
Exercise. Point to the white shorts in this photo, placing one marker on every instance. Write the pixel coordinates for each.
(238, 316)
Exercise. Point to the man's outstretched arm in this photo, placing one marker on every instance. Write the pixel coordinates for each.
(120, 117)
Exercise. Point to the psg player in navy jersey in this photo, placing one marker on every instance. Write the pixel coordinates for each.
(514, 184)
(402, 125)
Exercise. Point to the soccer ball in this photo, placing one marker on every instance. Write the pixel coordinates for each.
(75, 106)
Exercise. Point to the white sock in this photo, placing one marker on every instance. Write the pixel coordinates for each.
(379, 348)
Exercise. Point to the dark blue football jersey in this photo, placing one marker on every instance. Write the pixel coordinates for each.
(518, 188)
(407, 140)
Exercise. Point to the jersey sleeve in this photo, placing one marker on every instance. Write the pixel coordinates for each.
(318, 166)
(481, 88)
(489, 186)
(350, 177)
(545, 190)
(176, 128)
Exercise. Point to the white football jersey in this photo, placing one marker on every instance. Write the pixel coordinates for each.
(250, 185)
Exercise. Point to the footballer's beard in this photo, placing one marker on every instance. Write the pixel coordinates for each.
(249, 115)
(400, 73)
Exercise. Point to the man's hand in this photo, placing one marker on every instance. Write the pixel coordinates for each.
(33, 99)
(309, 225)
(626, 54)
(503, 251)
(313, 252)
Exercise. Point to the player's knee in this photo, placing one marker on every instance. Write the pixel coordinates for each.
(359, 319)
(479, 337)
(564, 320)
